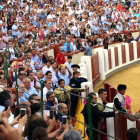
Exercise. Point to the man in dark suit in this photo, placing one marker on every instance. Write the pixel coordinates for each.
(96, 114)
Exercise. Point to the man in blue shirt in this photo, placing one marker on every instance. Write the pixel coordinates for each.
(50, 100)
(34, 57)
(42, 15)
(68, 48)
(63, 75)
(88, 51)
(28, 88)
(65, 48)
(21, 35)
(39, 62)
(130, 37)
(119, 26)
(95, 28)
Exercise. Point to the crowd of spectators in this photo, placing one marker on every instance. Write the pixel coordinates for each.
(28, 29)
(41, 24)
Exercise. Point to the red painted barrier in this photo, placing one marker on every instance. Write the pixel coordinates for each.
(95, 69)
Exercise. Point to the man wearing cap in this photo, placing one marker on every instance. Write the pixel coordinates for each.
(14, 29)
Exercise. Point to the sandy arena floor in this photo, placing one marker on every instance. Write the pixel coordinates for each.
(130, 77)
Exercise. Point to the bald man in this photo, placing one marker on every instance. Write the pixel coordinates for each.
(62, 108)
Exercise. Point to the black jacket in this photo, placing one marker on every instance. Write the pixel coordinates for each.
(76, 83)
(96, 114)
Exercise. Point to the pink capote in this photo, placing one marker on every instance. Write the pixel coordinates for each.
(128, 100)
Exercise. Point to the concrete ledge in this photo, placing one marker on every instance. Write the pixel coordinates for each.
(122, 67)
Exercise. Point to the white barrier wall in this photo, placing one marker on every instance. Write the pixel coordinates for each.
(135, 49)
(89, 84)
(101, 62)
(87, 60)
(83, 69)
(119, 55)
(112, 57)
(104, 61)
(127, 52)
(110, 122)
(106, 65)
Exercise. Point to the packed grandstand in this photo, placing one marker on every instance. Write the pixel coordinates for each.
(52, 55)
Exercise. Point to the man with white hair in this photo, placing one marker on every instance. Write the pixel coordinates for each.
(95, 28)
(39, 76)
(29, 90)
(72, 135)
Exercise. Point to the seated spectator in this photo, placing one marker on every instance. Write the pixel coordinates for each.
(130, 37)
(50, 100)
(35, 108)
(21, 99)
(68, 49)
(39, 62)
(48, 87)
(62, 108)
(39, 76)
(30, 74)
(72, 134)
(34, 57)
(39, 133)
(21, 76)
(34, 98)
(138, 38)
(29, 90)
(6, 96)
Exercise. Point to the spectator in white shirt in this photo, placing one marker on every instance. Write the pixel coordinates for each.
(47, 67)
(69, 63)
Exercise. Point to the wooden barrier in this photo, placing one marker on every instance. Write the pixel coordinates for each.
(95, 69)
(120, 124)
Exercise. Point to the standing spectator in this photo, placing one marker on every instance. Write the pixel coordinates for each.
(47, 67)
(60, 59)
(89, 49)
(15, 29)
(21, 35)
(3, 41)
(69, 62)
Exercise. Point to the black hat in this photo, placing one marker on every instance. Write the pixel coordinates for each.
(75, 65)
(121, 87)
(69, 57)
